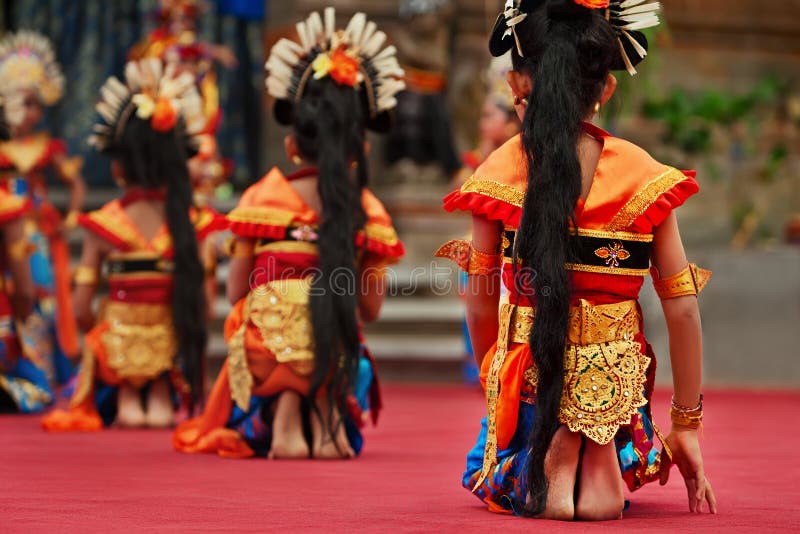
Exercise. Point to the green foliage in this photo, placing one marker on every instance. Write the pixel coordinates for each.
(690, 117)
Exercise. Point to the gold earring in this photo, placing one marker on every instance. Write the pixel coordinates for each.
(520, 101)
(297, 160)
(596, 108)
(354, 165)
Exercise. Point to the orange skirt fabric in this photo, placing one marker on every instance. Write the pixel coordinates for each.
(207, 433)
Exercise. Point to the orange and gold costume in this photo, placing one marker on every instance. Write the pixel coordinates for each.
(609, 365)
(133, 341)
(269, 332)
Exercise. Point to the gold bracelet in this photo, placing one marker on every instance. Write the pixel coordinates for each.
(471, 261)
(690, 281)
(687, 417)
(84, 275)
(236, 248)
(21, 249)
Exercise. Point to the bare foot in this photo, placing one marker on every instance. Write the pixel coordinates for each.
(160, 413)
(601, 496)
(561, 470)
(129, 407)
(329, 447)
(288, 441)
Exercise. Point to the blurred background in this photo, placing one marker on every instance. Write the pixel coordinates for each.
(720, 93)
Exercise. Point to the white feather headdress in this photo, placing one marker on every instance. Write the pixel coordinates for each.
(152, 91)
(291, 63)
(628, 18)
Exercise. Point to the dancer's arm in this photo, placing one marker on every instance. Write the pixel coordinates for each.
(686, 355)
(373, 290)
(240, 270)
(69, 170)
(483, 290)
(87, 279)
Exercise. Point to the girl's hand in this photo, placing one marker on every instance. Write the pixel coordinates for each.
(687, 456)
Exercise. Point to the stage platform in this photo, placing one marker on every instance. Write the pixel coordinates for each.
(407, 479)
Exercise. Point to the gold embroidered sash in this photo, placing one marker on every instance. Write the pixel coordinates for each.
(605, 370)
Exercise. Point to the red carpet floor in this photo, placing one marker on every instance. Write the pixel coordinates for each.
(407, 480)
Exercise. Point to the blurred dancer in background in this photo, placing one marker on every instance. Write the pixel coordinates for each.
(307, 260)
(31, 79)
(145, 348)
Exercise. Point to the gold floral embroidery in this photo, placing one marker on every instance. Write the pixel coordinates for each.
(644, 198)
(239, 378)
(613, 254)
(140, 340)
(279, 309)
(494, 189)
(604, 385)
(600, 352)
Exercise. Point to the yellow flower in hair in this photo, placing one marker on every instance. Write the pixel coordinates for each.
(322, 66)
(145, 105)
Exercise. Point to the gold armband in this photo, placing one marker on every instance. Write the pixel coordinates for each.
(71, 220)
(236, 248)
(21, 249)
(689, 281)
(70, 168)
(86, 276)
(470, 261)
(687, 417)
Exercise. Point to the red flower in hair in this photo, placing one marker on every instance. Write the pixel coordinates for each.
(164, 116)
(593, 4)
(344, 68)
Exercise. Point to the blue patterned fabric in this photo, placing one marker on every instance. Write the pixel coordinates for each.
(92, 39)
(505, 487)
(255, 424)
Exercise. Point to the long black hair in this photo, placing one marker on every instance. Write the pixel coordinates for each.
(568, 53)
(329, 128)
(153, 160)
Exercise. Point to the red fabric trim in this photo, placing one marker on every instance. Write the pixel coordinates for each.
(217, 224)
(490, 208)
(135, 195)
(91, 225)
(379, 248)
(663, 206)
(6, 216)
(141, 291)
(303, 173)
(257, 231)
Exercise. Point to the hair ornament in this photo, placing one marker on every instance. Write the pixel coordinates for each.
(152, 92)
(627, 17)
(354, 57)
(28, 63)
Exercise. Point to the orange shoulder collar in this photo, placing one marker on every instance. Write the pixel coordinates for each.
(268, 207)
(631, 191)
